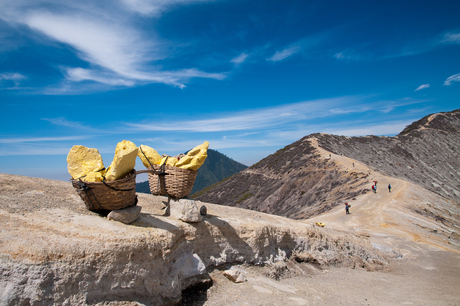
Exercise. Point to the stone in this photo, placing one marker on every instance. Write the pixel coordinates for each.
(185, 210)
(236, 275)
(125, 215)
(203, 210)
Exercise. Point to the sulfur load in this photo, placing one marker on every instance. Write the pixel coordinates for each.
(146, 152)
(124, 160)
(82, 160)
(170, 161)
(194, 158)
(94, 176)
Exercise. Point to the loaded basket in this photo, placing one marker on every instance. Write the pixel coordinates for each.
(108, 195)
(170, 181)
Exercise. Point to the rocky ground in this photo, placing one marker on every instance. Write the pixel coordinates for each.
(394, 248)
(55, 252)
(426, 270)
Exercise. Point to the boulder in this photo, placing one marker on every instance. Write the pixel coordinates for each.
(236, 275)
(185, 210)
(125, 215)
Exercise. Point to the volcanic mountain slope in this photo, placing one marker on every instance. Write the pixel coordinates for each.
(309, 177)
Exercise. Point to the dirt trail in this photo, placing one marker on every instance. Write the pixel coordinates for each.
(426, 270)
(380, 214)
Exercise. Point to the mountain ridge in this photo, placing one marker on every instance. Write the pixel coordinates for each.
(304, 178)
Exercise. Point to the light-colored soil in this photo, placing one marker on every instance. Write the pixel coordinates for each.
(427, 271)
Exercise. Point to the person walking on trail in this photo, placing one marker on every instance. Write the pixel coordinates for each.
(347, 208)
(375, 188)
(389, 188)
(375, 183)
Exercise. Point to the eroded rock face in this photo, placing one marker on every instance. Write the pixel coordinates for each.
(58, 253)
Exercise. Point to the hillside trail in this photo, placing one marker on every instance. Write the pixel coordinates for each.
(423, 269)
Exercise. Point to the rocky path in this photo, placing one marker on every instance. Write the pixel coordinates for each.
(426, 272)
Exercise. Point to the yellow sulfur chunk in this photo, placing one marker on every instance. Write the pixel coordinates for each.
(82, 160)
(194, 158)
(151, 154)
(123, 162)
(170, 162)
(93, 177)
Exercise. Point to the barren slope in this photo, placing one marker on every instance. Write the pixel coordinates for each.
(305, 178)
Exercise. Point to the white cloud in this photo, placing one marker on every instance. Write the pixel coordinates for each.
(272, 117)
(156, 7)
(281, 55)
(41, 139)
(247, 120)
(451, 38)
(386, 128)
(453, 78)
(12, 76)
(240, 58)
(108, 37)
(422, 87)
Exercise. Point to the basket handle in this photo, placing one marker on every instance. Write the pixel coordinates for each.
(152, 172)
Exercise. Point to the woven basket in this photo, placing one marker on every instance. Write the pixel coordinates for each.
(108, 195)
(175, 182)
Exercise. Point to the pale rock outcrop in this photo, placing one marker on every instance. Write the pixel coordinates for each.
(55, 252)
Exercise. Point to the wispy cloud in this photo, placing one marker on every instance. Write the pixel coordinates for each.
(281, 55)
(41, 139)
(386, 128)
(422, 87)
(271, 117)
(451, 79)
(451, 38)
(247, 120)
(240, 58)
(106, 36)
(63, 122)
(12, 76)
(155, 8)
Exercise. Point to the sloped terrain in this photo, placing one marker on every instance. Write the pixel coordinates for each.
(306, 177)
(55, 252)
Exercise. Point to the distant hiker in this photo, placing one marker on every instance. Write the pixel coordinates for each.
(353, 164)
(369, 172)
(375, 183)
(389, 188)
(347, 208)
(329, 155)
(375, 188)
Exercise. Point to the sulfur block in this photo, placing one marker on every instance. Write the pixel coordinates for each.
(194, 158)
(151, 154)
(123, 162)
(93, 177)
(82, 160)
(172, 161)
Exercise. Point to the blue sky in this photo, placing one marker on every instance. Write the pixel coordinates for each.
(250, 77)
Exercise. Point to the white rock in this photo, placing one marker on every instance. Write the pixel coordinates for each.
(185, 210)
(236, 275)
